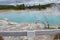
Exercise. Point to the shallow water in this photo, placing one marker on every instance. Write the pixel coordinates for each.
(31, 17)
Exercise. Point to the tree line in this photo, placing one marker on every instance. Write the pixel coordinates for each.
(23, 7)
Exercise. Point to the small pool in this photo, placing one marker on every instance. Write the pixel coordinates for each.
(31, 18)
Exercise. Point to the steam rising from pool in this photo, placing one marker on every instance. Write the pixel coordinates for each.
(52, 15)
